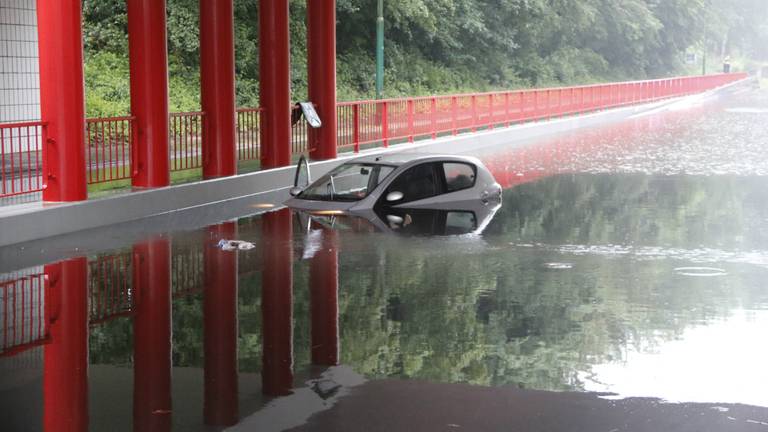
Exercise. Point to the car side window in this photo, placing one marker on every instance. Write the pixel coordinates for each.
(416, 183)
(458, 176)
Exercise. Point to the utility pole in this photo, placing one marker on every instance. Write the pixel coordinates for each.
(380, 50)
(704, 57)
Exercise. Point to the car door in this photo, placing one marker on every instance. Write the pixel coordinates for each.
(416, 183)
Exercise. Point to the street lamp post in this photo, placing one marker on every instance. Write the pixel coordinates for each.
(380, 50)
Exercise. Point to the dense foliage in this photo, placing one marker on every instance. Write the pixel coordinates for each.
(435, 46)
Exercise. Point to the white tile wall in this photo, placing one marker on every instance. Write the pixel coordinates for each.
(19, 79)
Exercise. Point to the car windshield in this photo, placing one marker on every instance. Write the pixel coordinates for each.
(347, 182)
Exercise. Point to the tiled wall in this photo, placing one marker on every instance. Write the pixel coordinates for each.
(19, 80)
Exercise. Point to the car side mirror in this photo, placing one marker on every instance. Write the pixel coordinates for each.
(295, 191)
(394, 196)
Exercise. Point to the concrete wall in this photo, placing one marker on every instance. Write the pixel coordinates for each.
(19, 79)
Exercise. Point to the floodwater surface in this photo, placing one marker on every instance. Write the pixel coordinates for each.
(621, 286)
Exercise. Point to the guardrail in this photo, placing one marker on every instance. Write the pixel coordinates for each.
(382, 121)
(360, 123)
(108, 150)
(185, 140)
(21, 158)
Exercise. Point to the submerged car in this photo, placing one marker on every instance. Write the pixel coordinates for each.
(397, 181)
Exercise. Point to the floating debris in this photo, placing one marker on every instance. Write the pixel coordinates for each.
(229, 245)
(700, 271)
(559, 266)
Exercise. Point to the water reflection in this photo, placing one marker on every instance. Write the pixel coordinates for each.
(579, 283)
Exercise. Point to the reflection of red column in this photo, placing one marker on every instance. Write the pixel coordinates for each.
(65, 372)
(152, 336)
(324, 292)
(220, 328)
(276, 303)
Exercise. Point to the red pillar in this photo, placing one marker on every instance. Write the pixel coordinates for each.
(147, 48)
(321, 67)
(62, 100)
(65, 358)
(324, 294)
(152, 336)
(217, 87)
(277, 303)
(275, 83)
(220, 328)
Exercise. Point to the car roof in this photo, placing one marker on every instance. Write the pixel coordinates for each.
(401, 158)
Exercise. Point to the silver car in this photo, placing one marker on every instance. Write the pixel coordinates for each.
(398, 180)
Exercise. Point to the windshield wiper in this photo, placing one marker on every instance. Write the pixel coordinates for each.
(332, 188)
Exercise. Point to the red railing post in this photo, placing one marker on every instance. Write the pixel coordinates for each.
(62, 93)
(409, 110)
(384, 124)
(433, 122)
(454, 108)
(473, 127)
(356, 126)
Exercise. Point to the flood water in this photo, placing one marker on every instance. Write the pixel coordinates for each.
(621, 286)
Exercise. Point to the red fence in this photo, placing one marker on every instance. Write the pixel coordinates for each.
(108, 151)
(382, 121)
(186, 137)
(23, 314)
(21, 158)
(360, 123)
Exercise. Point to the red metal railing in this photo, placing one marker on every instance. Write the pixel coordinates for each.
(186, 136)
(108, 150)
(248, 129)
(23, 313)
(110, 287)
(382, 121)
(360, 123)
(21, 158)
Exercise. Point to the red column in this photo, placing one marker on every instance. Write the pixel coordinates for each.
(217, 87)
(147, 48)
(220, 328)
(62, 100)
(275, 83)
(321, 67)
(152, 335)
(324, 294)
(277, 303)
(65, 358)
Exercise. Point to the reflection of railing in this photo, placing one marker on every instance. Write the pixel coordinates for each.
(110, 287)
(21, 163)
(186, 271)
(23, 313)
(108, 150)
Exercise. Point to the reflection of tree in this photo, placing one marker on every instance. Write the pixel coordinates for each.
(430, 309)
